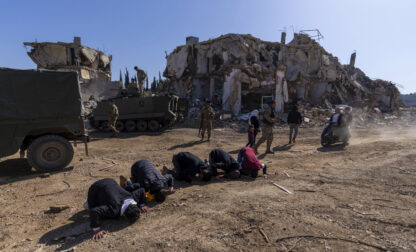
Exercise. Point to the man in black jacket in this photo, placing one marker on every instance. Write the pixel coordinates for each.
(219, 159)
(147, 176)
(186, 166)
(294, 119)
(106, 199)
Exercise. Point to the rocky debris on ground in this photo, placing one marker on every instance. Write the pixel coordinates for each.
(313, 116)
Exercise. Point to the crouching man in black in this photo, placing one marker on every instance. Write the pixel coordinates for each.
(106, 199)
(148, 177)
(219, 159)
(186, 166)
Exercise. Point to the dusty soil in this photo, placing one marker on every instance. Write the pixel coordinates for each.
(364, 193)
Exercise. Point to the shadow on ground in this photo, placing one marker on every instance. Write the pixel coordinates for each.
(283, 147)
(335, 147)
(98, 135)
(72, 234)
(185, 145)
(18, 169)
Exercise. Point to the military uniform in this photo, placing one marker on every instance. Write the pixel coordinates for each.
(267, 129)
(112, 118)
(207, 115)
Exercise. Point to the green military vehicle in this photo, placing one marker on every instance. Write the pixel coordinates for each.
(136, 113)
(40, 111)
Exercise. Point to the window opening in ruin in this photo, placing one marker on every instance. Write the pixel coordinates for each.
(217, 61)
(72, 51)
(250, 101)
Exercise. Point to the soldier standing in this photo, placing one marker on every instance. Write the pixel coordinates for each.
(269, 120)
(207, 115)
(112, 118)
(141, 77)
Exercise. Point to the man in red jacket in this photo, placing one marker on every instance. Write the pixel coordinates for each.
(249, 163)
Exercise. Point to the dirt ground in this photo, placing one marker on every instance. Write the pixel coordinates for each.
(364, 194)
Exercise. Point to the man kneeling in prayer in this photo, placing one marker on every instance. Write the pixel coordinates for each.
(144, 173)
(106, 199)
(250, 165)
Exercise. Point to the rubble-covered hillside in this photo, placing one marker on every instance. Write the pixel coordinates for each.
(240, 72)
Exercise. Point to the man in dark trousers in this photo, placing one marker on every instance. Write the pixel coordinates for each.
(106, 199)
(250, 165)
(294, 119)
(147, 176)
(219, 159)
(186, 166)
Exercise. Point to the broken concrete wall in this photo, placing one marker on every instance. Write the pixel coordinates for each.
(248, 67)
(89, 63)
(231, 96)
(100, 89)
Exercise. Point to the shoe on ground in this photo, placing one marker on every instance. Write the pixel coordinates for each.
(290, 141)
(294, 140)
(269, 152)
(123, 181)
(164, 170)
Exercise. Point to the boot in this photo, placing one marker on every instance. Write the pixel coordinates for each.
(164, 170)
(294, 140)
(269, 151)
(290, 141)
(123, 181)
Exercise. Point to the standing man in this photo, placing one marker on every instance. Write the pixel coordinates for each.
(144, 173)
(294, 119)
(106, 199)
(141, 77)
(112, 118)
(269, 120)
(207, 115)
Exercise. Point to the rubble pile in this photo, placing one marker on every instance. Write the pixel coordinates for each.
(240, 73)
(313, 116)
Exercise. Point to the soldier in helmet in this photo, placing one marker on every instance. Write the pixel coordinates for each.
(268, 123)
(112, 118)
(207, 115)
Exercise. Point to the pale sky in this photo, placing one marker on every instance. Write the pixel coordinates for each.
(139, 32)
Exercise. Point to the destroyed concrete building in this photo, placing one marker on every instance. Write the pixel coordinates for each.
(240, 72)
(93, 66)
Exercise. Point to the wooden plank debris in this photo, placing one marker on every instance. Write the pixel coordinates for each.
(282, 188)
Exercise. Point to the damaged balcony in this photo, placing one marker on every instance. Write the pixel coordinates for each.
(89, 63)
(93, 66)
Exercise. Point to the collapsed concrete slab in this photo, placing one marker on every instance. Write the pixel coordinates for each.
(239, 72)
(93, 66)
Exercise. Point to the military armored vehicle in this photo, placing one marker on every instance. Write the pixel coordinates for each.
(136, 113)
(41, 112)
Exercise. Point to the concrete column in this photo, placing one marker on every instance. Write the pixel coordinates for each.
(352, 59)
(283, 38)
(211, 87)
